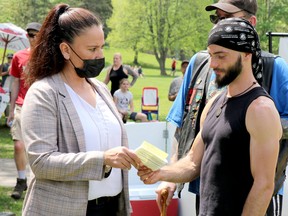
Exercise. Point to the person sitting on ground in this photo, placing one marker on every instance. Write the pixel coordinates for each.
(123, 98)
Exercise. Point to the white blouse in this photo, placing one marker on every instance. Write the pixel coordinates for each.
(102, 131)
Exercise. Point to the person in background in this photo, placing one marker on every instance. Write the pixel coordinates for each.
(118, 71)
(75, 139)
(239, 127)
(123, 99)
(173, 66)
(6, 68)
(18, 92)
(140, 71)
(176, 83)
(7, 81)
(179, 114)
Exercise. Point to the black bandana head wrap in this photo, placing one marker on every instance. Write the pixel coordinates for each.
(239, 35)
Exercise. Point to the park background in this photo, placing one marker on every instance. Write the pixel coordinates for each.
(147, 33)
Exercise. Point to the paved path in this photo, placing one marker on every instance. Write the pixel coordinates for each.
(8, 173)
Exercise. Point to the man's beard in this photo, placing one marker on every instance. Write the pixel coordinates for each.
(230, 74)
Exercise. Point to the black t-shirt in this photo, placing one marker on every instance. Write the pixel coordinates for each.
(226, 177)
(115, 77)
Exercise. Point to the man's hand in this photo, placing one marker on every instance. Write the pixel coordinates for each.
(147, 175)
(170, 187)
(10, 118)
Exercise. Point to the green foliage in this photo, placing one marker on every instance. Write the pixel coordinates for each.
(37, 10)
(271, 17)
(162, 27)
(177, 27)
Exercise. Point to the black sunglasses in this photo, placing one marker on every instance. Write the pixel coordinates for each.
(31, 35)
(215, 19)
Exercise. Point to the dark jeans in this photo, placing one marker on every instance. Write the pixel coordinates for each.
(102, 206)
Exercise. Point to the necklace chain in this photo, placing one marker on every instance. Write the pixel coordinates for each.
(219, 110)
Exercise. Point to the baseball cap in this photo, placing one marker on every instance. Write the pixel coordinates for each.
(184, 62)
(9, 55)
(33, 26)
(233, 6)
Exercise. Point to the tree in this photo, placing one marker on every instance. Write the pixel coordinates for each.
(158, 26)
(37, 10)
(103, 8)
(271, 17)
(126, 22)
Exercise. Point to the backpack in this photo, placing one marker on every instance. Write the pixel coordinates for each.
(196, 100)
(280, 176)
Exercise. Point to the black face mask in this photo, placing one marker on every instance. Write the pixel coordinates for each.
(91, 68)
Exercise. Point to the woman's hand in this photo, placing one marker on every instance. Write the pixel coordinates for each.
(121, 157)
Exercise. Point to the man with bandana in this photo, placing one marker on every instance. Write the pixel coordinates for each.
(236, 149)
(204, 88)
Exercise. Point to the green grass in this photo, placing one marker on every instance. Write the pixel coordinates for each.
(6, 143)
(151, 78)
(7, 204)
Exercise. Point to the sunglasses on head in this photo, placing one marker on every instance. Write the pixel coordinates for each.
(31, 35)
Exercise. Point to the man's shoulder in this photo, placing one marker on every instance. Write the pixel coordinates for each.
(177, 80)
(21, 54)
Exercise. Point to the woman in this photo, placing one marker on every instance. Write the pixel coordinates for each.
(68, 120)
(117, 72)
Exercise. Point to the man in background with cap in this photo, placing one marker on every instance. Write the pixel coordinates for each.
(236, 149)
(197, 88)
(18, 93)
(176, 83)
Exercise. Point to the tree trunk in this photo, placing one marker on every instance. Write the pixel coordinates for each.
(135, 61)
(161, 59)
(162, 66)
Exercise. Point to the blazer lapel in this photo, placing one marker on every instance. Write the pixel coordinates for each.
(66, 101)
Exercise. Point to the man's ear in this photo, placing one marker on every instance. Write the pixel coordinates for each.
(65, 50)
(253, 20)
(247, 56)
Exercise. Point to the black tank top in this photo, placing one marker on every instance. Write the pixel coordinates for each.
(115, 77)
(226, 177)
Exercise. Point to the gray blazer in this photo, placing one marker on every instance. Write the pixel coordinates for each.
(56, 151)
